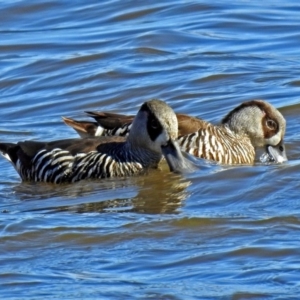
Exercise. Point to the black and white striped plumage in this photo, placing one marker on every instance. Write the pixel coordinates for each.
(218, 144)
(154, 131)
(58, 165)
(250, 126)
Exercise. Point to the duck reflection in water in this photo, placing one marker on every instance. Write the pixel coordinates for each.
(159, 192)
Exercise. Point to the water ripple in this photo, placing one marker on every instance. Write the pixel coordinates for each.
(221, 232)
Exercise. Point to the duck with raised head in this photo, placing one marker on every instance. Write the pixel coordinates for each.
(251, 126)
(153, 134)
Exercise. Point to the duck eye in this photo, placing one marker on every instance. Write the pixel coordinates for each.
(154, 124)
(271, 124)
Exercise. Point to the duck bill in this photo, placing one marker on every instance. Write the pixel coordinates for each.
(175, 158)
(277, 153)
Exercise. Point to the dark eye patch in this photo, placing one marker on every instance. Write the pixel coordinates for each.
(154, 127)
(271, 124)
(154, 124)
(270, 127)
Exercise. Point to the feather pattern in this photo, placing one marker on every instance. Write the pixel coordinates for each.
(251, 125)
(218, 144)
(153, 132)
(59, 166)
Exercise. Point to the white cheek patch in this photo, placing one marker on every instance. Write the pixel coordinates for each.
(274, 140)
(162, 139)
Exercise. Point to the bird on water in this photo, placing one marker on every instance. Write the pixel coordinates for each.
(252, 127)
(153, 133)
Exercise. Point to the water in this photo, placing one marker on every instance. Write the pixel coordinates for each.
(219, 233)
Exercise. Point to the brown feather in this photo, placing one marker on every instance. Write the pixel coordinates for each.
(110, 120)
(84, 128)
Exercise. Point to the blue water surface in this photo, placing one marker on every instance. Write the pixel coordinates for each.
(218, 233)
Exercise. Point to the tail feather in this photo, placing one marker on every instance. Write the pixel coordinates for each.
(110, 120)
(84, 128)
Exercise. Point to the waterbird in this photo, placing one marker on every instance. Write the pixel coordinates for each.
(153, 133)
(249, 128)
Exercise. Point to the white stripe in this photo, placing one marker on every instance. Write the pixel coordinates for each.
(99, 131)
(42, 170)
(37, 163)
(5, 155)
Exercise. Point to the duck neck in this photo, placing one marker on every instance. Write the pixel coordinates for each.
(145, 156)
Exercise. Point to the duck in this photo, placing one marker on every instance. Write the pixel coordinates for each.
(247, 130)
(153, 133)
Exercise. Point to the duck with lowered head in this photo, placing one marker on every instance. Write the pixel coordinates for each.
(250, 128)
